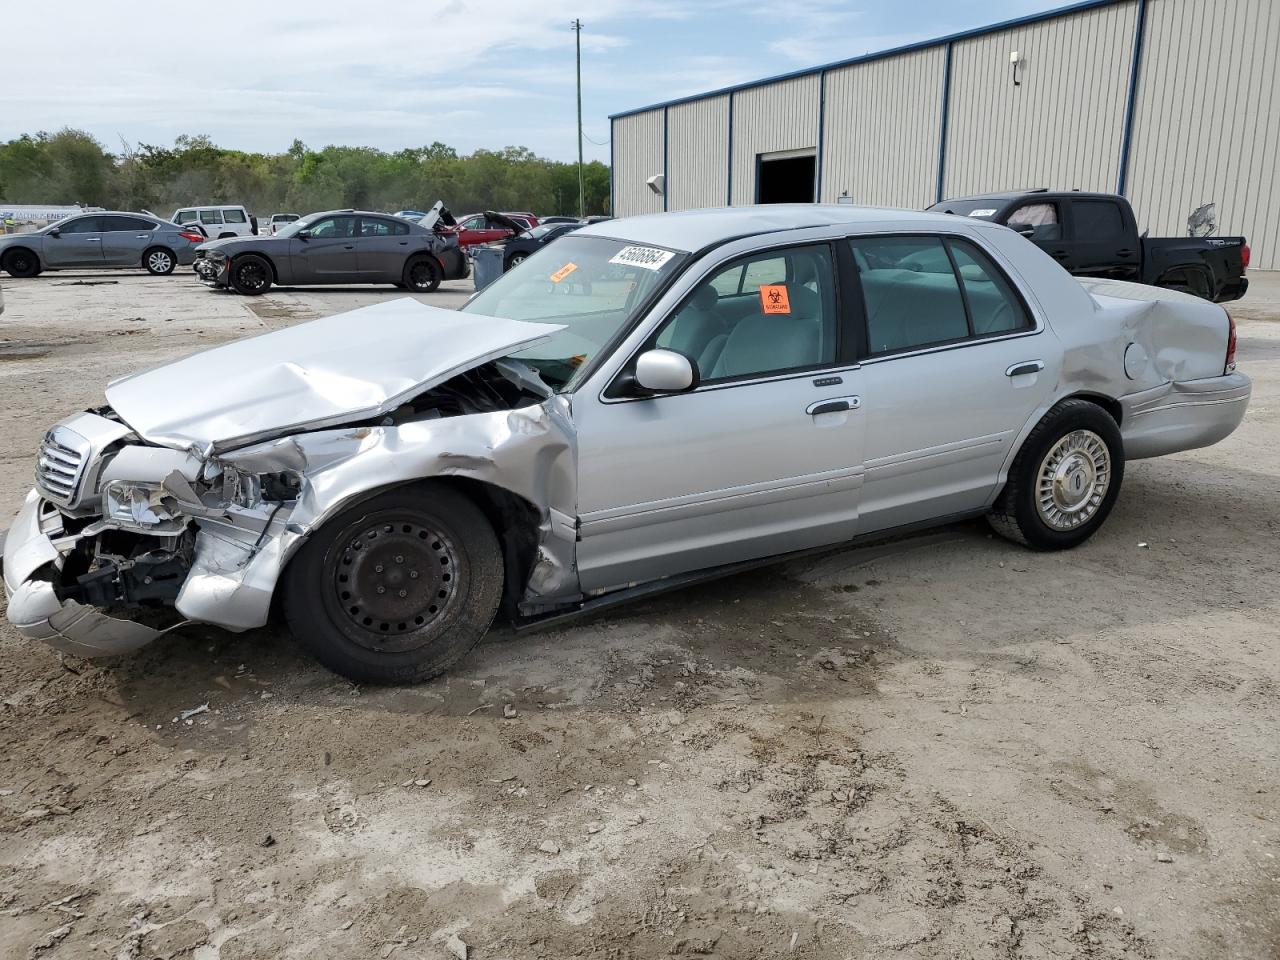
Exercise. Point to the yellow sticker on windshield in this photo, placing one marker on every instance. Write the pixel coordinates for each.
(563, 272)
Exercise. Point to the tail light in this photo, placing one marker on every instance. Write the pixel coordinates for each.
(191, 235)
(1245, 254)
(1230, 365)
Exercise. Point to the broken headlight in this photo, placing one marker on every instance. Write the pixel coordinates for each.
(141, 507)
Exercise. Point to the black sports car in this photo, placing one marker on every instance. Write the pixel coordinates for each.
(341, 247)
(524, 245)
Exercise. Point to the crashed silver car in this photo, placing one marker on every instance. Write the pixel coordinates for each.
(645, 402)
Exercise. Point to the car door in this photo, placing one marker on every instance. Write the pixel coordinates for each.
(328, 253)
(211, 224)
(954, 365)
(1098, 241)
(381, 249)
(124, 239)
(235, 221)
(77, 243)
(763, 457)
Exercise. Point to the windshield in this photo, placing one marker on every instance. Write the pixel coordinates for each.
(300, 224)
(592, 285)
(977, 207)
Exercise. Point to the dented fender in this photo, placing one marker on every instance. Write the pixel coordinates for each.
(529, 452)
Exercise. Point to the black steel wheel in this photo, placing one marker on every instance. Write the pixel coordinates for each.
(422, 274)
(250, 275)
(21, 263)
(397, 588)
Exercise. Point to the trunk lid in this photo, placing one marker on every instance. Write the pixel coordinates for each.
(351, 366)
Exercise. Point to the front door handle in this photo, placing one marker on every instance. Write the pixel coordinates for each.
(834, 405)
(1124, 253)
(1059, 254)
(349, 246)
(1027, 366)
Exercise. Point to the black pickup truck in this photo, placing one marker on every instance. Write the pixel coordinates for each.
(1096, 235)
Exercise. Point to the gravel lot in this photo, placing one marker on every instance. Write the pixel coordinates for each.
(960, 750)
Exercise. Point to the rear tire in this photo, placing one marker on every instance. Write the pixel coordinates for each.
(398, 588)
(422, 274)
(516, 259)
(250, 275)
(159, 261)
(1064, 481)
(21, 263)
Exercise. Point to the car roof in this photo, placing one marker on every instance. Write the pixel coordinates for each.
(1006, 195)
(691, 230)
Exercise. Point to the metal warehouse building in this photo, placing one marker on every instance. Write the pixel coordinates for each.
(1173, 103)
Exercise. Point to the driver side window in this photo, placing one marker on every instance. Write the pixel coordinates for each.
(758, 316)
(333, 227)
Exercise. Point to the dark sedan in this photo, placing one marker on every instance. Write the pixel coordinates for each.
(338, 247)
(522, 246)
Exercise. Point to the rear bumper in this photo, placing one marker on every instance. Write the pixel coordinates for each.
(34, 608)
(1234, 290)
(1183, 415)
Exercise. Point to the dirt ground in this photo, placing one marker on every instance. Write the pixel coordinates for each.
(962, 750)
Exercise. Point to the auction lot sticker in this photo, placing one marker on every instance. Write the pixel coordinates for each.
(651, 258)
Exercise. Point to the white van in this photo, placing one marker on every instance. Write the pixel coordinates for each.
(219, 221)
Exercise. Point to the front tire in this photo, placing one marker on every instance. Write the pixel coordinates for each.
(159, 261)
(250, 275)
(1064, 481)
(422, 274)
(398, 588)
(21, 263)
(516, 259)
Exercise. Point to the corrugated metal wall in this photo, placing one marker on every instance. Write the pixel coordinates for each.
(698, 154)
(883, 126)
(781, 116)
(637, 156)
(1207, 120)
(1206, 123)
(1063, 126)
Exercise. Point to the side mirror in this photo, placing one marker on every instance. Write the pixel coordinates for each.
(55, 232)
(303, 234)
(1026, 229)
(665, 371)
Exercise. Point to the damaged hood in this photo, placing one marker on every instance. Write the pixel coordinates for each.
(351, 366)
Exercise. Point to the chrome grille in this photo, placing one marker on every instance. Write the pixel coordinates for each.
(61, 464)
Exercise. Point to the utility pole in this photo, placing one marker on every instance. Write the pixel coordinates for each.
(582, 190)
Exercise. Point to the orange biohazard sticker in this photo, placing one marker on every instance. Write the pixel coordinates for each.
(774, 299)
(563, 272)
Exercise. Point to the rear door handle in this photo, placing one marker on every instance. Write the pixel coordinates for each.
(1124, 253)
(1027, 366)
(142, 236)
(834, 405)
(1059, 254)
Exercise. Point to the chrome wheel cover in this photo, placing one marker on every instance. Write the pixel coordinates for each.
(159, 262)
(1073, 479)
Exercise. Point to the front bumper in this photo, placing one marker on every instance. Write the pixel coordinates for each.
(212, 272)
(1183, 415)
(34, 608)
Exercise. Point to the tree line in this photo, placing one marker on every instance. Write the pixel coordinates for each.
(71, 166)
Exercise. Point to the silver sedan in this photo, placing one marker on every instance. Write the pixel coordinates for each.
(643, 403)
(106, 239)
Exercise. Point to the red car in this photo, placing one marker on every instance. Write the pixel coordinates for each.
(490, 227)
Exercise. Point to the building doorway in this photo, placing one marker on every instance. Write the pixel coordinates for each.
(788, 177)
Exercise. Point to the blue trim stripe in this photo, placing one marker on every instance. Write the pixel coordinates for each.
(880, 55)
(666, 153)
(1131, 104)
(728, 201)
(822, 128)
(946, 117)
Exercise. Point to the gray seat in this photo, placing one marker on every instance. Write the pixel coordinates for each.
(907, 309)
(761, 342)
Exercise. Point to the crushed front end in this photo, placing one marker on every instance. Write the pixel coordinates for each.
(98, 558)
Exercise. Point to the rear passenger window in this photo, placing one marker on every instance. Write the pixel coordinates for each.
(760, 316)
(233, 216)
(1096, 220)
(911, 293)
(924, 291)
(382, 228)
(994, 307)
